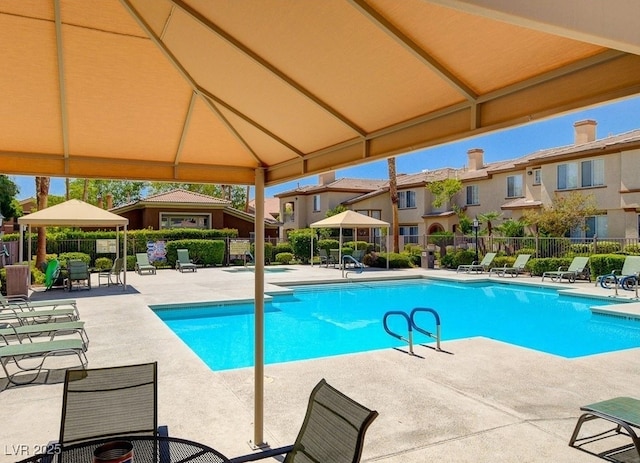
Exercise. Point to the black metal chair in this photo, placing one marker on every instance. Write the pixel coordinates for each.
(332, 432)
(109, 402)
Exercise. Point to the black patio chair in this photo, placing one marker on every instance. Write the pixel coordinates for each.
(332, 432)
(110, 402)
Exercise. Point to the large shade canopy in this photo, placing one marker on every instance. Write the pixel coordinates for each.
(210, 90)
(76, 213)
(350, 219)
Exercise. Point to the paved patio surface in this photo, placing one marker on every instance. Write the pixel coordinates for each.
(481, 401)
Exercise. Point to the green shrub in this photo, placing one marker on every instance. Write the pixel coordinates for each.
(301, 243)
(65, 257)
(268, 252)
(131, 263)
(380, 260)
(362, 245)
(580, 248)
(455, 258)
(201, 252)
(538, 266)
(530, 251)
(282, 247)
(103, 263)
(601, 264)
(632, 249)
(284, 257)
(606, 247)
(328, 244)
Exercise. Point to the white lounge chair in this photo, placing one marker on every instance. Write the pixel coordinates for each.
(515, 270)
(476, 266)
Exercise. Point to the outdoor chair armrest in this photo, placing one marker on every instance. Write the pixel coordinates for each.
(561, 267)
(261, 455)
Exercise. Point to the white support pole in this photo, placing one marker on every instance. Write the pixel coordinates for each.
(258, 437)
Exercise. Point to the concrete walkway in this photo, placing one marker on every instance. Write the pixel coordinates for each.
(481, 401)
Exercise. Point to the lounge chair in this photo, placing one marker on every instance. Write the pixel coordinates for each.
(112, 276)
(28, 312)
(476, 266)
(107, 402)
(332, 431)
(578, 268)
(30, 351)
(184, 263)
(143, 264)
(625, 278)
(10, 332)
(624, 413)
(515, 270)
(78, 275)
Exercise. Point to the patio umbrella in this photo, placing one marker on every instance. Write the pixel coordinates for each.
(261, 92)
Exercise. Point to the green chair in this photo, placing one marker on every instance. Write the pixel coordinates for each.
(624, 413)
(51, 273)
(14, 354)
(480, 267)
(625, 277)
(10, 332)
(112, 276)
(143, 264)
(515, 270)
(184, 263)
(578, 268)
(78, 275)
(332, 431)
(24, 312)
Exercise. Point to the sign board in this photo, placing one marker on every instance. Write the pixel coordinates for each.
(239, 247)
(106, 246)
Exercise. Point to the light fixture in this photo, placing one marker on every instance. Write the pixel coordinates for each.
(476, 225)
(529, 172)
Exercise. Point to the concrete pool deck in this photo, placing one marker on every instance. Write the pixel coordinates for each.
(479, 401)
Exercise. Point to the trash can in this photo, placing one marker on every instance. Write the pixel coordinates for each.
(428, 259)
(17, 280)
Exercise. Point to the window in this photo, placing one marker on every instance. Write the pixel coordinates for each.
(595, 225)
(567, 176)
(514, 186)
(409, 233)
(406, 199)
(537, 176)
(375, 213)
(198, 221)
(472, 195)
(592, 173)
(316, 203)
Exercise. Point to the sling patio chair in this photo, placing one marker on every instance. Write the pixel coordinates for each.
(110, 402)
(476, 266)
(26, 312)
(143, 264)
(578, 269)
(625, 277)
(29, 357)
(78, 275)
(624, 413)
(184, 262)
(515, 270)
(332, 431)
(112, 276)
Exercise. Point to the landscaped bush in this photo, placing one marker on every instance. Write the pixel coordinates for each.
(581, 248)
(103, 263)
(530, 251)
(268, 252)
(301, 243)
(328, 244)
(606, 247)
(201, 252)
(601, 264)
(632, 249)
(538, 266)
(362, 245)
(380, 260)
(282, 247)
(65, 257)
(460, 257)
(284, 258)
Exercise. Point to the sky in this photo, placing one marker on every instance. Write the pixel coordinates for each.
(613, 118)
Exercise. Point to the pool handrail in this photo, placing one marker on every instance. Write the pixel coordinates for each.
(411, 325)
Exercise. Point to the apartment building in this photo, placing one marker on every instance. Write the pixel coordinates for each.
(607, 168)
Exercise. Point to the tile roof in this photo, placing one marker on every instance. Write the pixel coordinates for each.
(184, 196)
(341, 184)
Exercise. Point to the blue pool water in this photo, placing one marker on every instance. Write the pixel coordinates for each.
(325, 320)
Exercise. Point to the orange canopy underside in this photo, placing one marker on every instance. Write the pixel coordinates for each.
(209, 90)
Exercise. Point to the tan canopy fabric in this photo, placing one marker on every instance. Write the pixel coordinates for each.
(73, 213)
(209, 91)
(350, 219)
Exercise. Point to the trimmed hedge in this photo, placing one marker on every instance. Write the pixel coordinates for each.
(380, 260)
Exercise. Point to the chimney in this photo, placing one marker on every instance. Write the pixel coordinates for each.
(109, 201)
(100, 202)
(327, 177)
(476, 158)
(585, 131)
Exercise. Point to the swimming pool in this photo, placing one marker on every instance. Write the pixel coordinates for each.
(325, 320)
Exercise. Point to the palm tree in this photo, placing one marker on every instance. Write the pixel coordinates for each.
(42, 197)
(487, 218)
(393, 193)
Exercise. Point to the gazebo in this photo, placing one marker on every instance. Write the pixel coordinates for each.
(75, 213)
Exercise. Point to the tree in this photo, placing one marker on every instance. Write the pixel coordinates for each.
(122, 191)
(489, 218)
(444, 190)
(42, 197)
(564, 214)
(393, 193)
(9, 207)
